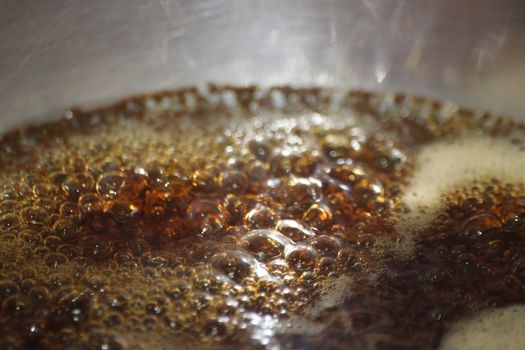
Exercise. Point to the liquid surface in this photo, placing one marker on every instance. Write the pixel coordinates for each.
(276, 219)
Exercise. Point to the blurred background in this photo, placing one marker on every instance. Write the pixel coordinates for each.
(56, 54)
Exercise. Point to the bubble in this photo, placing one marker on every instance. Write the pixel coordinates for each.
(172, 323)
(28, 272)
(39, 294)
(257, 172)
(34, 214)
(33, 329)
(69, 210)
(233, 181)
(365, 189)
(264, 244)
(475, 225)
(177, 291)
(205, 180)
(260, 217)
(7, 206)
(280, 165)
(53, 242)
(30, 237)
(206, 217)
(327, 245)
(53, 260)
(66, 230)
(155, 309)
(109, 185)
(234, 264)
(8, 288)
(27, 284)
(122, 211)
(89, 203)
(112, 320)
(214, 328)
(150, 259)
(260, 149)
(390, 160)
(106, 341)
(58, 280)
(9, 220)
(77, 184)
(116, 301)
(294, 230)
(328, 264)
(69, 250)
(300, 192)
(95, 248)
(17, 306)
(41, 251)
(317, 215)
(301, 257)
(304, 164)
(73, 307)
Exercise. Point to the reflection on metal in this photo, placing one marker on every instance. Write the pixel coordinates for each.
(55, 54)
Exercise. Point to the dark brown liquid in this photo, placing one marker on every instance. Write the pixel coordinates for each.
(236, 218)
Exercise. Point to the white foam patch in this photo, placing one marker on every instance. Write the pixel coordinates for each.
(445, 166)
(493, 330)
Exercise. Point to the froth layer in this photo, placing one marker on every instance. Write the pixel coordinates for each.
(493, 330)
(449, 165)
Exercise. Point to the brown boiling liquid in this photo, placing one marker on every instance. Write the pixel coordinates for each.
(225, 219)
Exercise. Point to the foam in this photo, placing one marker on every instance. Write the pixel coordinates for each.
(449, 165)
(496, 329)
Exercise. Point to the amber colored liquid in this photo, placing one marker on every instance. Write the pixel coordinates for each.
(183, 220)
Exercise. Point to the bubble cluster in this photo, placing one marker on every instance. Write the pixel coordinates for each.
(176, 218)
